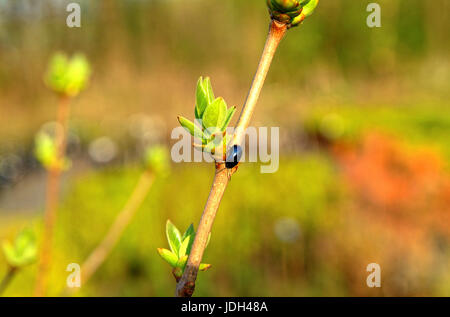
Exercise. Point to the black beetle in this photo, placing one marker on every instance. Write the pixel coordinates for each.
(234, 155)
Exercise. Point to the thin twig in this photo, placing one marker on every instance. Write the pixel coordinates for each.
(123, 219)
(7, 279)
(277, 31)
(186, 285)
(52, 196)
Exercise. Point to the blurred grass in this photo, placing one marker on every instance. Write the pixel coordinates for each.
(244, 249)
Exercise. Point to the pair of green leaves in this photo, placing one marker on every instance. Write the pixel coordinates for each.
(212, 115)
(23, 251)
(67, 76)
(180, 248)
(47, 154)
(212, 112)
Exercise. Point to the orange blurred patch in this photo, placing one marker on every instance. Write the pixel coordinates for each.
(398, 214)
(388, 177)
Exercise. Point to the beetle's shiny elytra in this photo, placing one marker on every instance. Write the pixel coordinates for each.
(234, 155)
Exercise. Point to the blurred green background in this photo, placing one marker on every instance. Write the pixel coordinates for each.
(365, 144)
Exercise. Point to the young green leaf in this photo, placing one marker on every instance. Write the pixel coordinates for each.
(309, 8)
(201, 99)
(204, 96)
(173, 237)
(182, 262)
(67, 76)
(193, 129)
(189, 231)
(213, 146)
(8, 251)
(23, 251)
(168, 256)
(229, 116)
(209, 91)
(204, 267)
(45, 149)
(214, 115)
(197, 116)
(78, 72)
(55, 77)
(191, 234)
(183, 247)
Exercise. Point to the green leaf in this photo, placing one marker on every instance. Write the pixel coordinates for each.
(228, 117)
(204, 96)
(46, 153)
(214, 115)
(45, 149)
(189, 231)
(184, 246)
(168, 256)
(209, 91)
(212, 146)
(182, 262)
(173, 237)
(193, 129)
(24, 250)
(191, 234)
(55, 75)
(201, 100)
(77, 75)
(204, 267)
(309, 8)
(197, 116)
(67, 76)
(8, 251)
